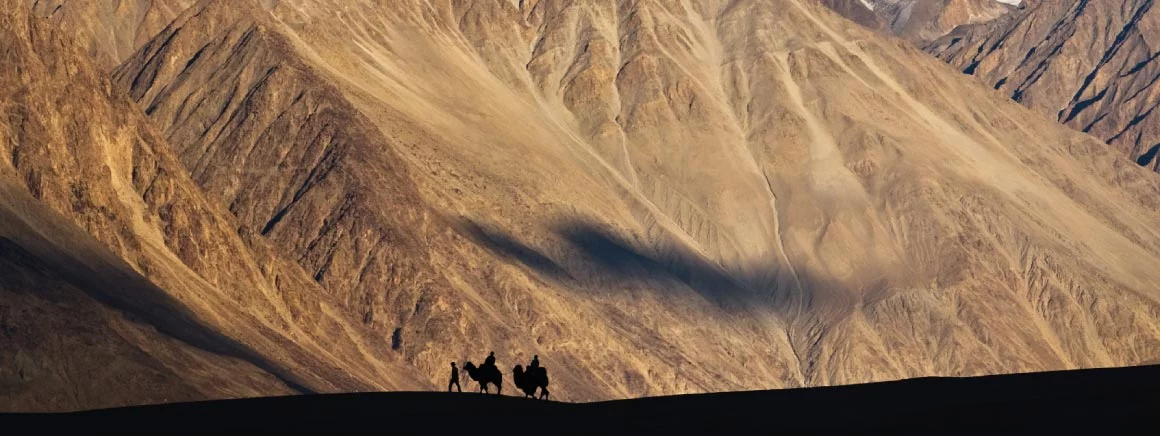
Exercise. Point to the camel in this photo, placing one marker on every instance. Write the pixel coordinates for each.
(485, 375)
(530, 380)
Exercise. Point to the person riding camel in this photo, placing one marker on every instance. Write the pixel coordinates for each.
(490, 361)
(535, 362)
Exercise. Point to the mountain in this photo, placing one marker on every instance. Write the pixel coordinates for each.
(1086, 64)
(110, 31)
(654, 197)
(643, 147)
(921, 20)
(122, 284)
(860, 12)
(279, 141)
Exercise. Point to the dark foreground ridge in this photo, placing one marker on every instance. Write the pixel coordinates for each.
(1098, 399)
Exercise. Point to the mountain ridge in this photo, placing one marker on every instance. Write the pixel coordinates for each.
(1052, 58)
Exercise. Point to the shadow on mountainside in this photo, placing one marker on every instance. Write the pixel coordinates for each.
(619, 259)
(1148, 157)
(104, 277)
(506, 246)
(595, 258)
(1102, 400)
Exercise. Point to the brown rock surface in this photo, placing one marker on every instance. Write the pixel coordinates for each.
(1088, 64)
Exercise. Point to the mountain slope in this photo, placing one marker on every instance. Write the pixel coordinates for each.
(1087, 64)
(921, 20)
(110, 31)
(441, 284)
(66, 343)
(659, 197)
(124, 277)
(860, 12)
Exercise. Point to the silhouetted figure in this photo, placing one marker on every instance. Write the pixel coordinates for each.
(454, 378)
(531, 379)
(490, 360)
(535, 363)
(485, 375)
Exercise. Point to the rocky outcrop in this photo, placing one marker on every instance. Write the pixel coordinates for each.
(1086, 64)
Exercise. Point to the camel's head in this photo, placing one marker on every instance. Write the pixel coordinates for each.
(519, 369)
(468, 366)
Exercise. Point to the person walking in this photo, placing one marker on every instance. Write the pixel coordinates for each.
(454, 378)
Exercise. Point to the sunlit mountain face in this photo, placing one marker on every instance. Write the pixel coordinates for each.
(1087, 65)
(654, 197)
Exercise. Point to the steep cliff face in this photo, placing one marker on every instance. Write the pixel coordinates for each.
(1087, 64)
(662, 196)
(123, 284)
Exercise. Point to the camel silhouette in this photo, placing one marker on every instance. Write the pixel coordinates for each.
(530, 380)
(485, 375)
